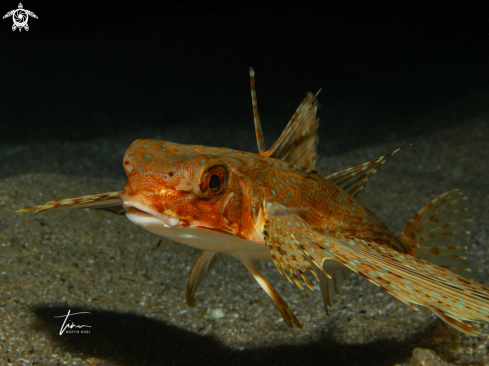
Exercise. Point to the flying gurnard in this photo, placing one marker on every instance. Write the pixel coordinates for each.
(273, 206)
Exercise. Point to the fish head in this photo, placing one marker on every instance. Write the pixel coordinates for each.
(173, 186)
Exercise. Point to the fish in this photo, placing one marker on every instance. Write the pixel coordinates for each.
(274, 206)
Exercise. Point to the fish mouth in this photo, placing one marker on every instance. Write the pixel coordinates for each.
(144, 216)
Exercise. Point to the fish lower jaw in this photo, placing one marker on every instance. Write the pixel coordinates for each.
(168, 226)
(143, 217)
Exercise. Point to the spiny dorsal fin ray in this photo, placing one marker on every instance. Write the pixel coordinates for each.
(258, 131)
(353, 180)
(412, 280)
(434, 233)
(104, 201)
(298, 142)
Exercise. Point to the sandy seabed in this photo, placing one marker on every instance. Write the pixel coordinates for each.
(97, 262)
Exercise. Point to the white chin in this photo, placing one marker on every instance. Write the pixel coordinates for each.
(147, 221)
(138, 215)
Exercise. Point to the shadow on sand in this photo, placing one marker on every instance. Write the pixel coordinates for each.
(129, 339)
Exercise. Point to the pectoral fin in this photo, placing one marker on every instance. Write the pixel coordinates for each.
(459, 301)
(291, 260)
(413, 280)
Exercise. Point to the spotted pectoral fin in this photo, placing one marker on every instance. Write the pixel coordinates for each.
(104, 201)
(298, 142)
(281, 223)
(283, 236)
(467, 327)
(296, 246)
(353, 180)
(459, 301)
(203, 263)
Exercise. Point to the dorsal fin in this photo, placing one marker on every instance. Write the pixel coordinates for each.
(259, 134)
(353, 180)
(298, 142)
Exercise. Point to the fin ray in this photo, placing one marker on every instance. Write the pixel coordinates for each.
(330, 287)
(353, 180)
(204, 262)
(434, 232)
(412, 280)
(298, 142)
(281, 305)
(103, 201)
(258, 131)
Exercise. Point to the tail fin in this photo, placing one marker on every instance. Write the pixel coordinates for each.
(434, 232)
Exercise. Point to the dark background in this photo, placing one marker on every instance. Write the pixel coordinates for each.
(179, 70)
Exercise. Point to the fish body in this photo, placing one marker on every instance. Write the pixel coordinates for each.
(165, 180)
(274, 206)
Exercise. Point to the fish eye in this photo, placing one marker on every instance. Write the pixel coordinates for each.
(213, 181)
